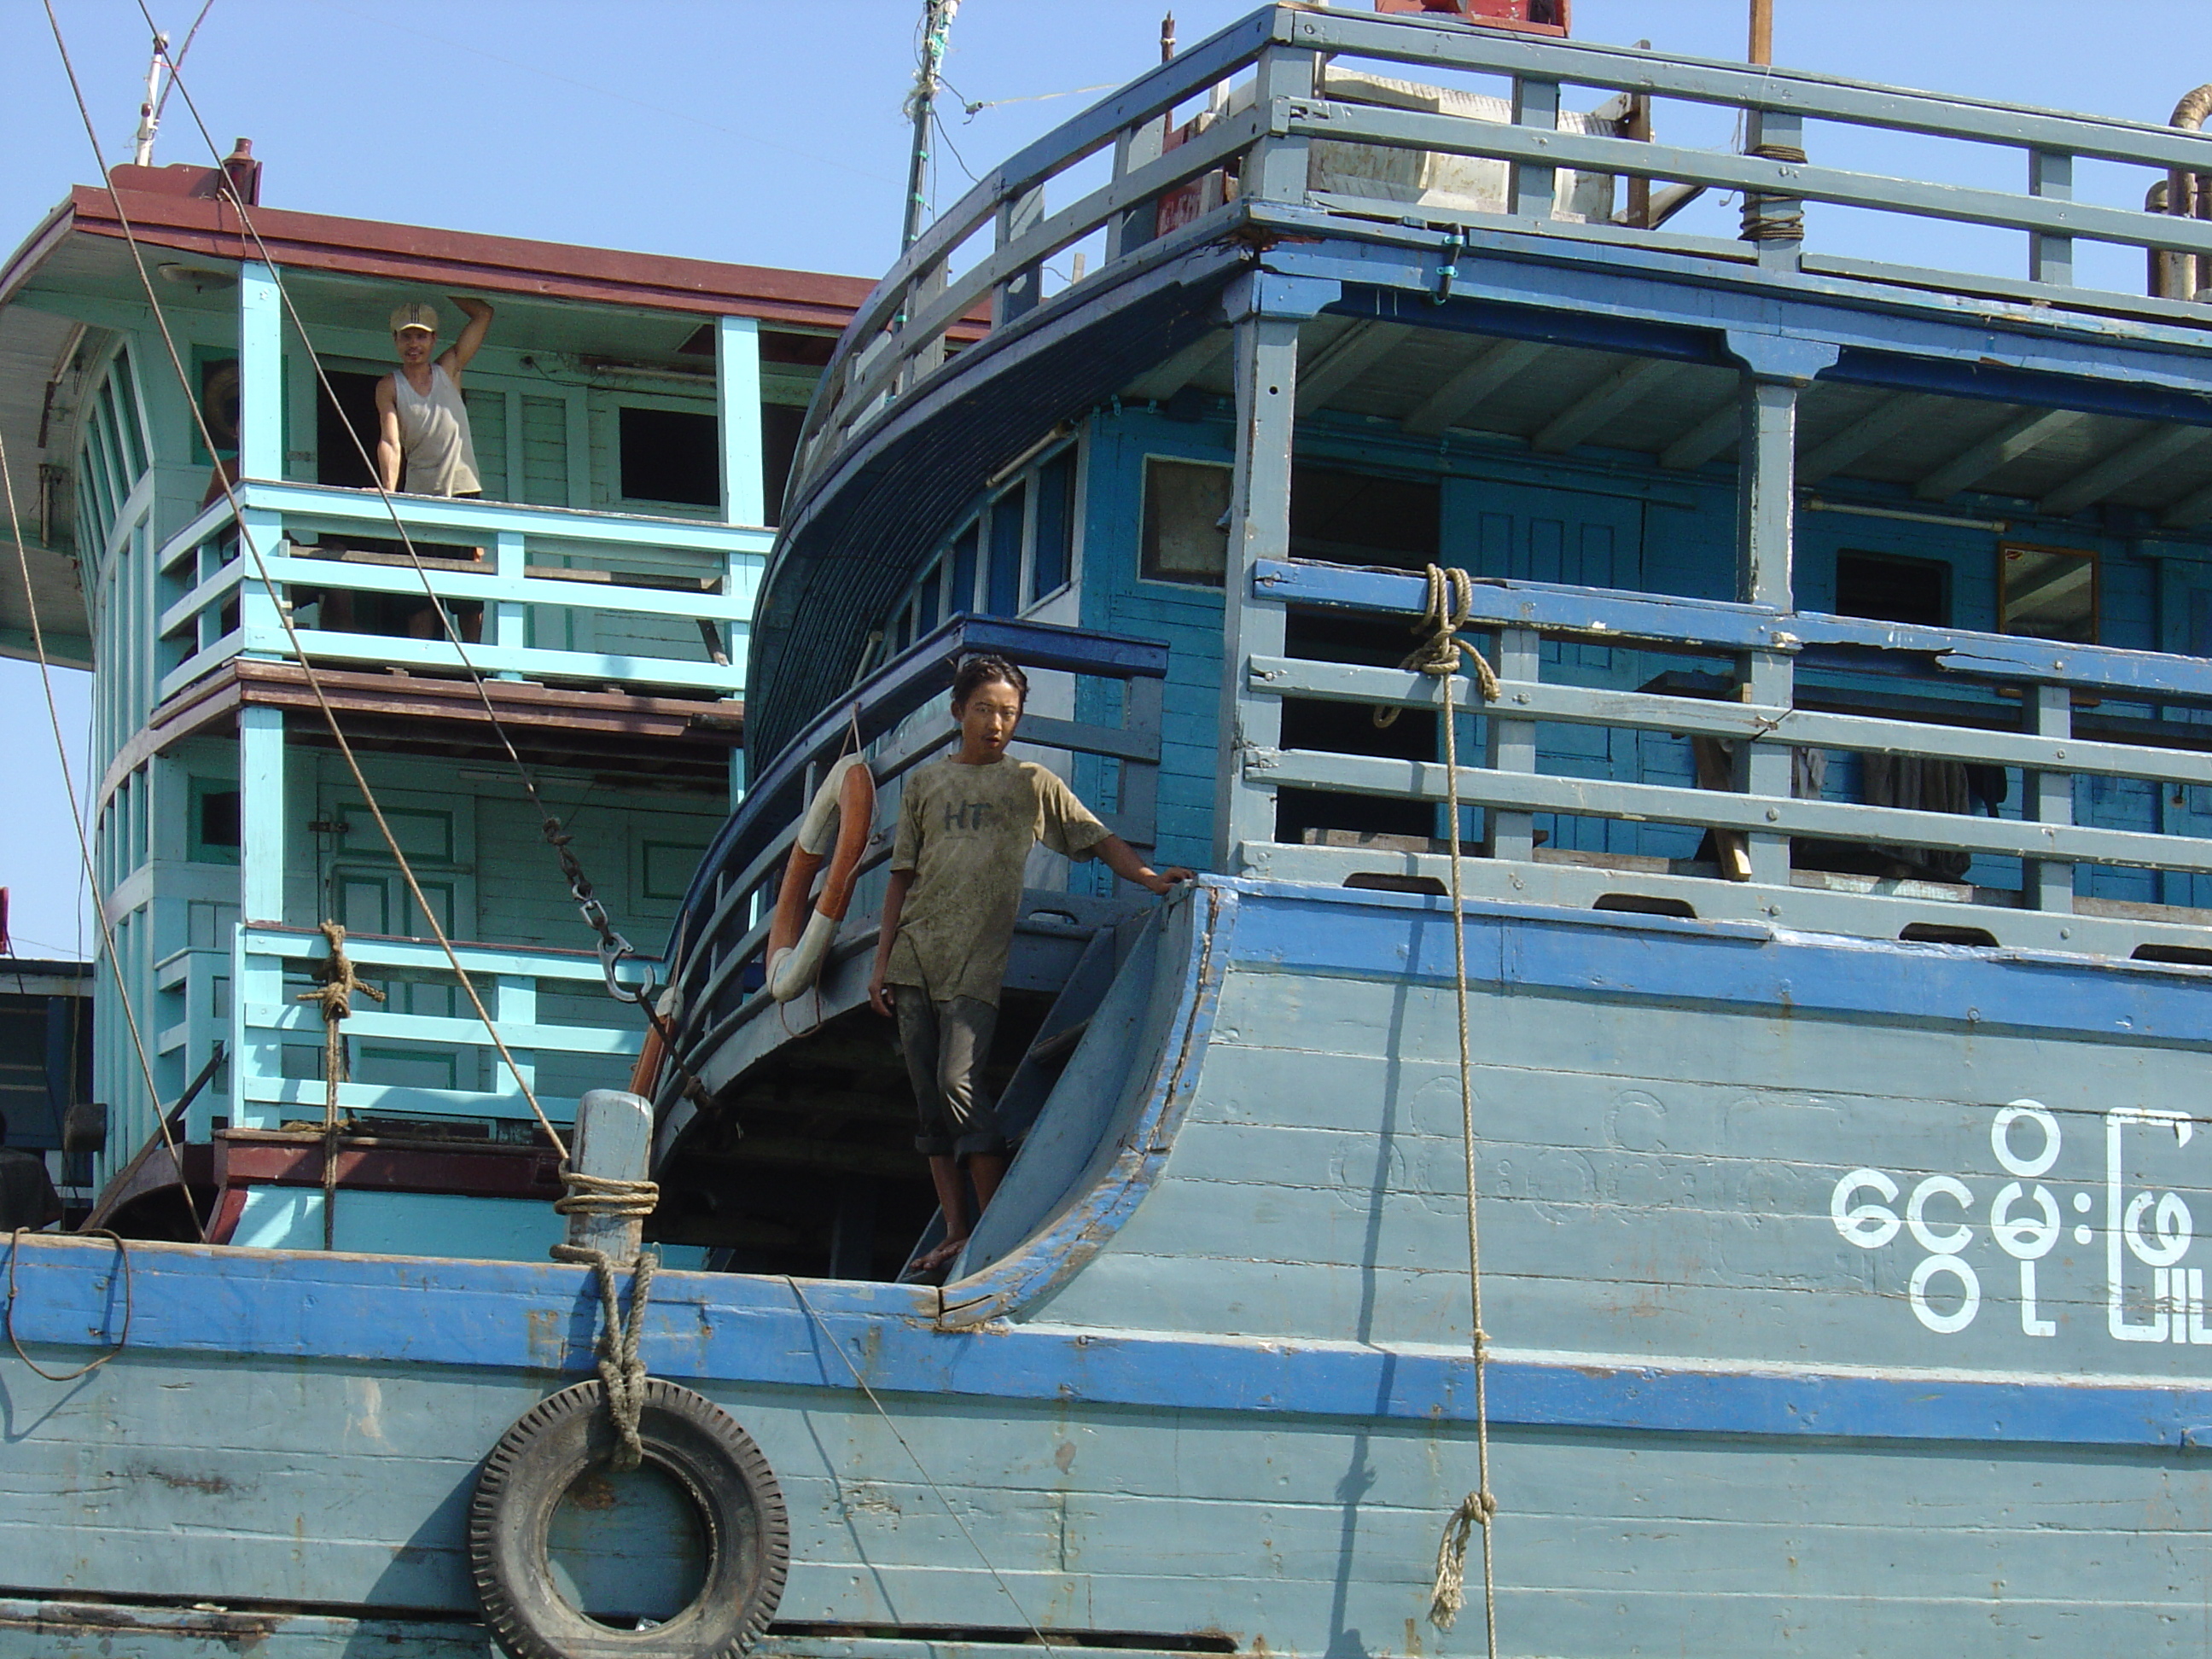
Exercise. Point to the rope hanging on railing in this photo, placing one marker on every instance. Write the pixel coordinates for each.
(334, 994)
(1450, 603)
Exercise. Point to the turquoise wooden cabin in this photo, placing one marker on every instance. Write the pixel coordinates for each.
(632, 418)
(1830, 948)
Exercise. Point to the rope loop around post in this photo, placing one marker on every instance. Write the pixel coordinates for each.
(621, 1366)
(1451, 604)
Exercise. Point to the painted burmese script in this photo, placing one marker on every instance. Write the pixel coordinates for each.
(2150, 1294)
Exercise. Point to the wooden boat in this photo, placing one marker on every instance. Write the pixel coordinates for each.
(1833, 1122)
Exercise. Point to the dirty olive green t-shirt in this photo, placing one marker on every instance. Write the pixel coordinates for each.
(966, 831)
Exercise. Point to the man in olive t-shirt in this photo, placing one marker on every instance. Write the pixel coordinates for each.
(966, 825)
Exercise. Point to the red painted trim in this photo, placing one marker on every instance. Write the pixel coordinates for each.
(245, 1158)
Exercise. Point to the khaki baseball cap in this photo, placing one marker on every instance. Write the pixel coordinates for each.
(415, 314)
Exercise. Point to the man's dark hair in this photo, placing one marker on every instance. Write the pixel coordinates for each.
(982, 670)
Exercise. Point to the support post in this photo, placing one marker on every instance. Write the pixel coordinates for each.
(2050, 800)
(1019, 295)
(613, 1141)
(261, 813)
(1264, 313)
(738, 395)
(260, 373)
(1778, 369)
(2050, 259)
(1277, 169)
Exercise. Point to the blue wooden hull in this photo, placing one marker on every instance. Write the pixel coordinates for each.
(1208, 1378)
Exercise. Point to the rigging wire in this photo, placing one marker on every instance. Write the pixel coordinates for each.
(84, 849)
(190, 34)
(613, 946)
(314, 683)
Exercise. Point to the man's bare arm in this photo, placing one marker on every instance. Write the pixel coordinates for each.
(1121, 859)
(886, 935)
(387, 433)
(455, 357)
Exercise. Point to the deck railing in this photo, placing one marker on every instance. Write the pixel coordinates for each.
(555, 594)
(2045, 712)
(992, 246)
(420, 1054)
(721, 933)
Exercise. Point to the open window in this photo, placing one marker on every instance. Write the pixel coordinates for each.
(2048, 592)
(1887, 587)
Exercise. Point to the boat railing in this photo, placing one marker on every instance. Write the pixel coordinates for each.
(536, 593)
(420, 1055)
(1300, 94)
(2042, 713)
(721, 934)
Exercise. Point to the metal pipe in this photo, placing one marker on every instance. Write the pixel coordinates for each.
(150, 112)
(936, 27)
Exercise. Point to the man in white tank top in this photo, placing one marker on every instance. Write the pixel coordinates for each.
(421, 418)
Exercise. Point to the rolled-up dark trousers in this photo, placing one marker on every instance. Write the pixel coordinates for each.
(945, 1045)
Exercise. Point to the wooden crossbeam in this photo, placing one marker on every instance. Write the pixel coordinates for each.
(2007, 444)
(1869, 432)
(1339, 364)
(1617, 392)
(1473, 386)
(2122, 467)
(1179, 371)
(1704, 440)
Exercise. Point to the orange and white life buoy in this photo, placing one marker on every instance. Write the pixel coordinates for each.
(842, 814)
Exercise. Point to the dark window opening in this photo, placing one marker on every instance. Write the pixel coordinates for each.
(1354, 517)
(219, 820)
(925, 602)
(963, 572)
(780, 425)
(1055, 551)
(1888, 589)
(345, 430)
(671, 455)
(1004, 578)
(1349, 728)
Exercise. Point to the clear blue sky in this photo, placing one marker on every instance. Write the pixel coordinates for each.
(768, 132)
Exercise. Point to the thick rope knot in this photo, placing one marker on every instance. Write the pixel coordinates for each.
(338, 981)
(1449, 1595)
(334, 994)
(621, 1372)
(1451, 604)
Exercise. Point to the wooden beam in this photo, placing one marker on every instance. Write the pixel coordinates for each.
(2191, 510)
(1179, 371)
(1340, 363)
(2122, 467)
(1869, 432)
(1707, 438)
(1616, 393)
(1469, 390)
(2007, 444)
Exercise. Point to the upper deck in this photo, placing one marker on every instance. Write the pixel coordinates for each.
(1822, 589)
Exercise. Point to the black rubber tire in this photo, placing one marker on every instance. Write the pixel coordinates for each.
(746, 1533)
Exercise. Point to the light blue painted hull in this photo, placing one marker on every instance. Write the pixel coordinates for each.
(1219, 1383)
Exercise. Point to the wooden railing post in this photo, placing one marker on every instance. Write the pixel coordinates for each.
(1019, 295)
(1510, 744)
(1775, 223)
(2050, 884)
(2050, 259)
(1535, 104)
(1277, 169)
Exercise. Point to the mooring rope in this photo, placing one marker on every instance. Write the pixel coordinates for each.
(129, 1305)
(1450, 603)
(622, 1371)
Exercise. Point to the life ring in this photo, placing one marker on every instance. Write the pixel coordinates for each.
(842, 812)
(743, 1529)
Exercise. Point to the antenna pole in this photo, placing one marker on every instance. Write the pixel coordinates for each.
(150, 112)
(936, 30)
(1762, 32)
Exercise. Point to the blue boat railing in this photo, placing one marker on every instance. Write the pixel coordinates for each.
(556, 594)
(992, 246)
(2073, 711)
(716, 949)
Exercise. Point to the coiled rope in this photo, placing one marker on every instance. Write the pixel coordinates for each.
(1450, 603)
(622, 1371)
(335, 998)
